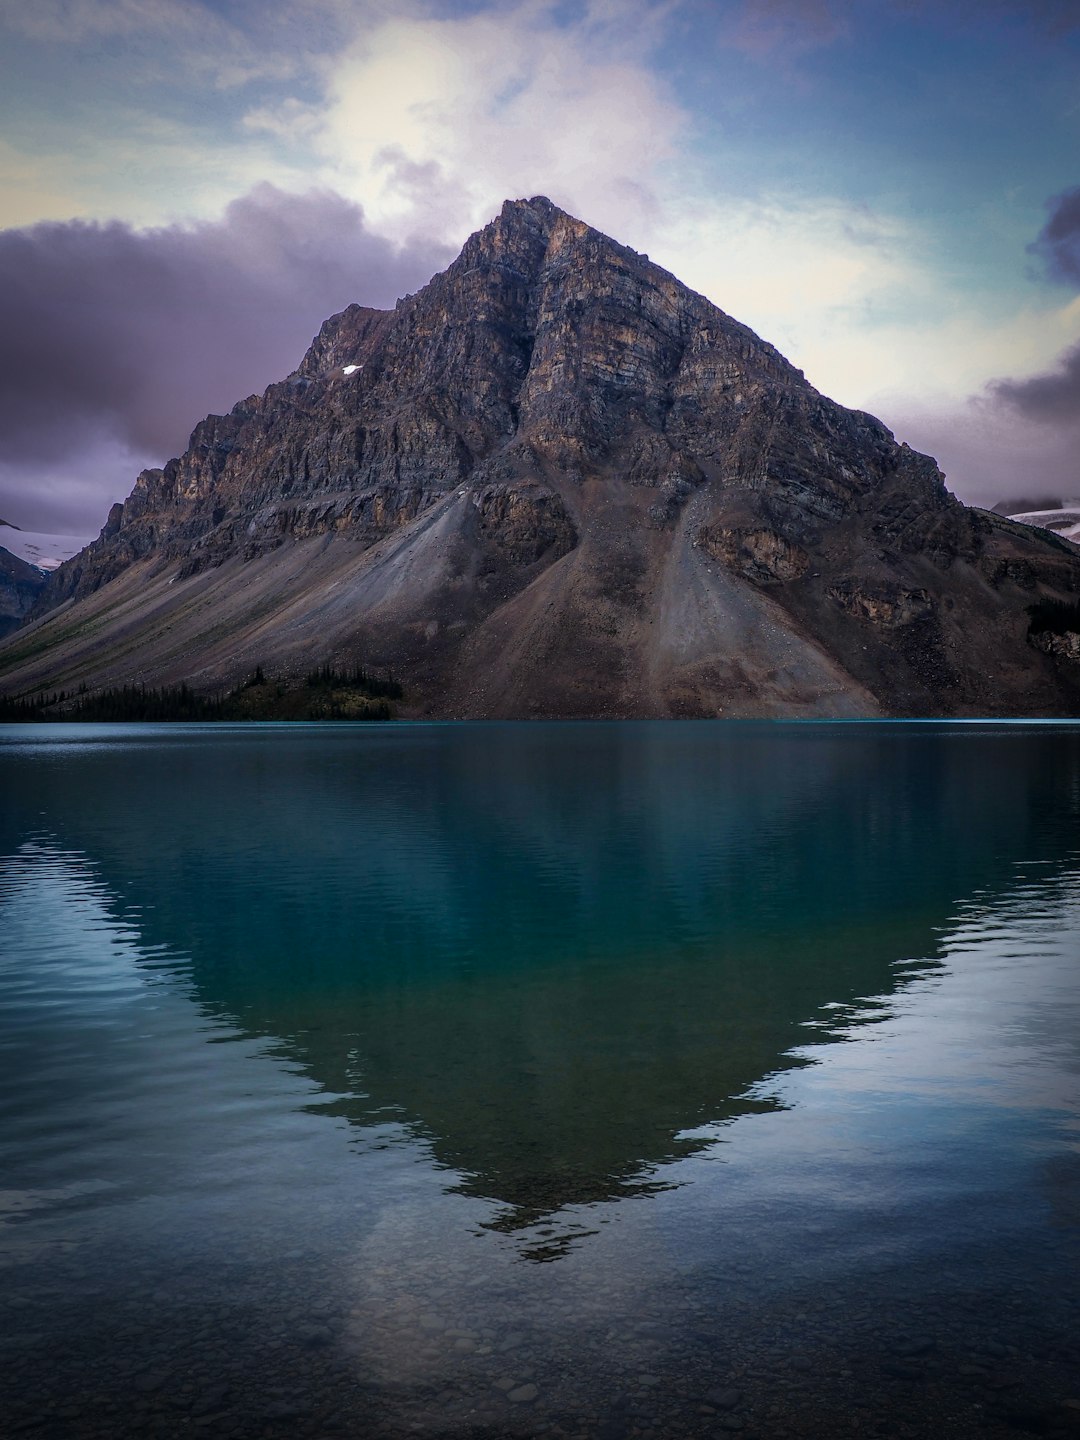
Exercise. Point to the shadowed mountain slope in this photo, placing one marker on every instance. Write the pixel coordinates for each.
(20, 586)
(556, 482)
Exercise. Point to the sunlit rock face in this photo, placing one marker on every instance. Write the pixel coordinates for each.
(557, 482)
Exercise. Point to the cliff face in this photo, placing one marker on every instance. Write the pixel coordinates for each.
(557, 482)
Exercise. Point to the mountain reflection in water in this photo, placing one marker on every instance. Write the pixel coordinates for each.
(557, 954)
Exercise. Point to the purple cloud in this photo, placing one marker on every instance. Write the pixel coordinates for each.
(1052, 398)
(1058, 242)
(114, 342)
(1020, 435)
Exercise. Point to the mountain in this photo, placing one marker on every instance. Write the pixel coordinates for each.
(1027, 503)
(556, 482)
(20, 586)
(1063, 518)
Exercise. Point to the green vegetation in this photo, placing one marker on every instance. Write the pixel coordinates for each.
(1054, 617)
(326, 694)
(129, 702)
(26, 708)
(326, 678)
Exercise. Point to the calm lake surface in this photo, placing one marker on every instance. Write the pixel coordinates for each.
(587, 1080)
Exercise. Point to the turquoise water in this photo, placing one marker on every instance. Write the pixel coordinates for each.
(584, 1080)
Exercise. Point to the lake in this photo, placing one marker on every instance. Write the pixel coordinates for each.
(595, 1080)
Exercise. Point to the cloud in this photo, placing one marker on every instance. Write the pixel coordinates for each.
(114, 342)
(432, 123)
(71, 495)
(1018, 435)
(987, 452)
(1058, 242)
(1007, 438)
(857, 299)
(144, 168)
(1012, 437)
(429, 115)
(1052, 398)
(811, 275)
(1033, 420)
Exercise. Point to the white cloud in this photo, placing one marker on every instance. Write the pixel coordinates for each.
(435, 122)
(292, 121)
(807, 274)
(941, 351)
(856, 300)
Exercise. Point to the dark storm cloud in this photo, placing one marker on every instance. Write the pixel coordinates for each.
(1058, 243)
(1020, 438)
(1022, 435)
(1052, 398)
(119, 340)
(990, 451)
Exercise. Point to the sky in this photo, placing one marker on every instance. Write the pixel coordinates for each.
(887, 190)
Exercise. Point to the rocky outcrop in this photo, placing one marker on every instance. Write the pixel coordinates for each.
(20, 586)
(556, 481)
(887, 606)
(760, 554)
(1066, 644)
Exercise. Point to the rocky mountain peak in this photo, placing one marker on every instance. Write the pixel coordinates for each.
(557, 481)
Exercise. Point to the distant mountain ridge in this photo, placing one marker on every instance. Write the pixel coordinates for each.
(557, 482)
(1062, 519)
(41, 548)
(20, 586)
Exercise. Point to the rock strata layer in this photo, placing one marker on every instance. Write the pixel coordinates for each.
(557, 482)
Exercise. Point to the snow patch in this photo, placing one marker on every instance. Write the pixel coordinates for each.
(1064, 522)
(39, 548)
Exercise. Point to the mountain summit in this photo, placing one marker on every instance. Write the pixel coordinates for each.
(557, 482)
